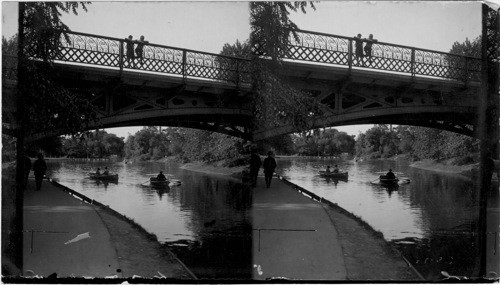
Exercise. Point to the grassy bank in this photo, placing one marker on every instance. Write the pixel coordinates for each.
(218, 168)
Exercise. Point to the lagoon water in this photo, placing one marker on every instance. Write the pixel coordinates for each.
(205, 220)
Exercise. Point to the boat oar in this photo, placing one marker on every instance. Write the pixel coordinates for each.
(143, 183)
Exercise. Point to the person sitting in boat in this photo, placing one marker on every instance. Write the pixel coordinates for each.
(98, 172)
(390, 175)
(336, 169)
(328, 170)
(161, 177)
(106, 171)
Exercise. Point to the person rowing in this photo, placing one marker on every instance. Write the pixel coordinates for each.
(161, 177)
(390, 175)
(336, 169)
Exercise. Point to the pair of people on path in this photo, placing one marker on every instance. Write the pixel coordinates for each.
(358, 41)
(269, 167)
(138, 50)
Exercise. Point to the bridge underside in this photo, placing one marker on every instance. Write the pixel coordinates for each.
(346, 97)
(131, 98)
(361, 96)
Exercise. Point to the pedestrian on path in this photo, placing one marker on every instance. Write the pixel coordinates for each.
(269, 167)
(39, 168)
(255, 164)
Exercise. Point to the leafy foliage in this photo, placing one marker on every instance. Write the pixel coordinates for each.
(186, 144)
(467, 48)
(271, 26)
(93, 144)
(48, 105)
(417, 142)
(327, 142)
(277, 103)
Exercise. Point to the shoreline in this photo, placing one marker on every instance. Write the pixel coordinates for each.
(214, 169)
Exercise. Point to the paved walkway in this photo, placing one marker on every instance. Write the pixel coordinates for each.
(293, 236)
(68, 237)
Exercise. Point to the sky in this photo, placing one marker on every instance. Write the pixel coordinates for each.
(207, 26)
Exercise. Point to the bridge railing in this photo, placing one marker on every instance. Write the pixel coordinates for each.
(107, 51)
(309, 46)
(333, 49)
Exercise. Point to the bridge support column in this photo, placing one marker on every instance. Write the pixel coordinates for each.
(489, 134)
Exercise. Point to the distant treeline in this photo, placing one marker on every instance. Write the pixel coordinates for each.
(153, 143)
(418, 143)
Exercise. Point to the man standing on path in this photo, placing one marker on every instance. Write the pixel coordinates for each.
(39, 168)
(269, 167)
(255, 163)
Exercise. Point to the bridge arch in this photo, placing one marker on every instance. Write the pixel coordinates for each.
(179, 87)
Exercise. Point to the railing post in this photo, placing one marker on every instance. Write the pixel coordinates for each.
(412, 62)
(120, 59)
(184, 64)
(349, 56)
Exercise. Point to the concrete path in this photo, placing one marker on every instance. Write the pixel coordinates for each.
(293, 236)
(52, 218)
(71, 238)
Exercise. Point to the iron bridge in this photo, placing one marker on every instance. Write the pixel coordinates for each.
(172, 86)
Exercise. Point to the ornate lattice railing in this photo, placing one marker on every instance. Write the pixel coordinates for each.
(106, 51)
(308, 46)
(333, 49)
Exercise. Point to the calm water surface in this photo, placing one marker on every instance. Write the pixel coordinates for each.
(432, 220)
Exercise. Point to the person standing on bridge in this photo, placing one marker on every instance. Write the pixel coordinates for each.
(269, 167)
(358, 43)
(255, 164)
(130, 50)
(140, 48)
(39, 168)
(368, 47)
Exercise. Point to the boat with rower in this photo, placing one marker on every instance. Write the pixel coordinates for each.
(155, 182)
(338, 175)
(106, 177)
(388, 181)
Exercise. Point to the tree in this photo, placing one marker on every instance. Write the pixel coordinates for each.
(276, 101)
(46, 104)
(271, 26)
(36, 23)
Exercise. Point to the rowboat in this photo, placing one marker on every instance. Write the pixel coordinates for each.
(388, 181)
(108, 177)
(158, 183)
(339, 175)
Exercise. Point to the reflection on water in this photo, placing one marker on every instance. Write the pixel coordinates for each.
(432, 220)
(204, 220)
